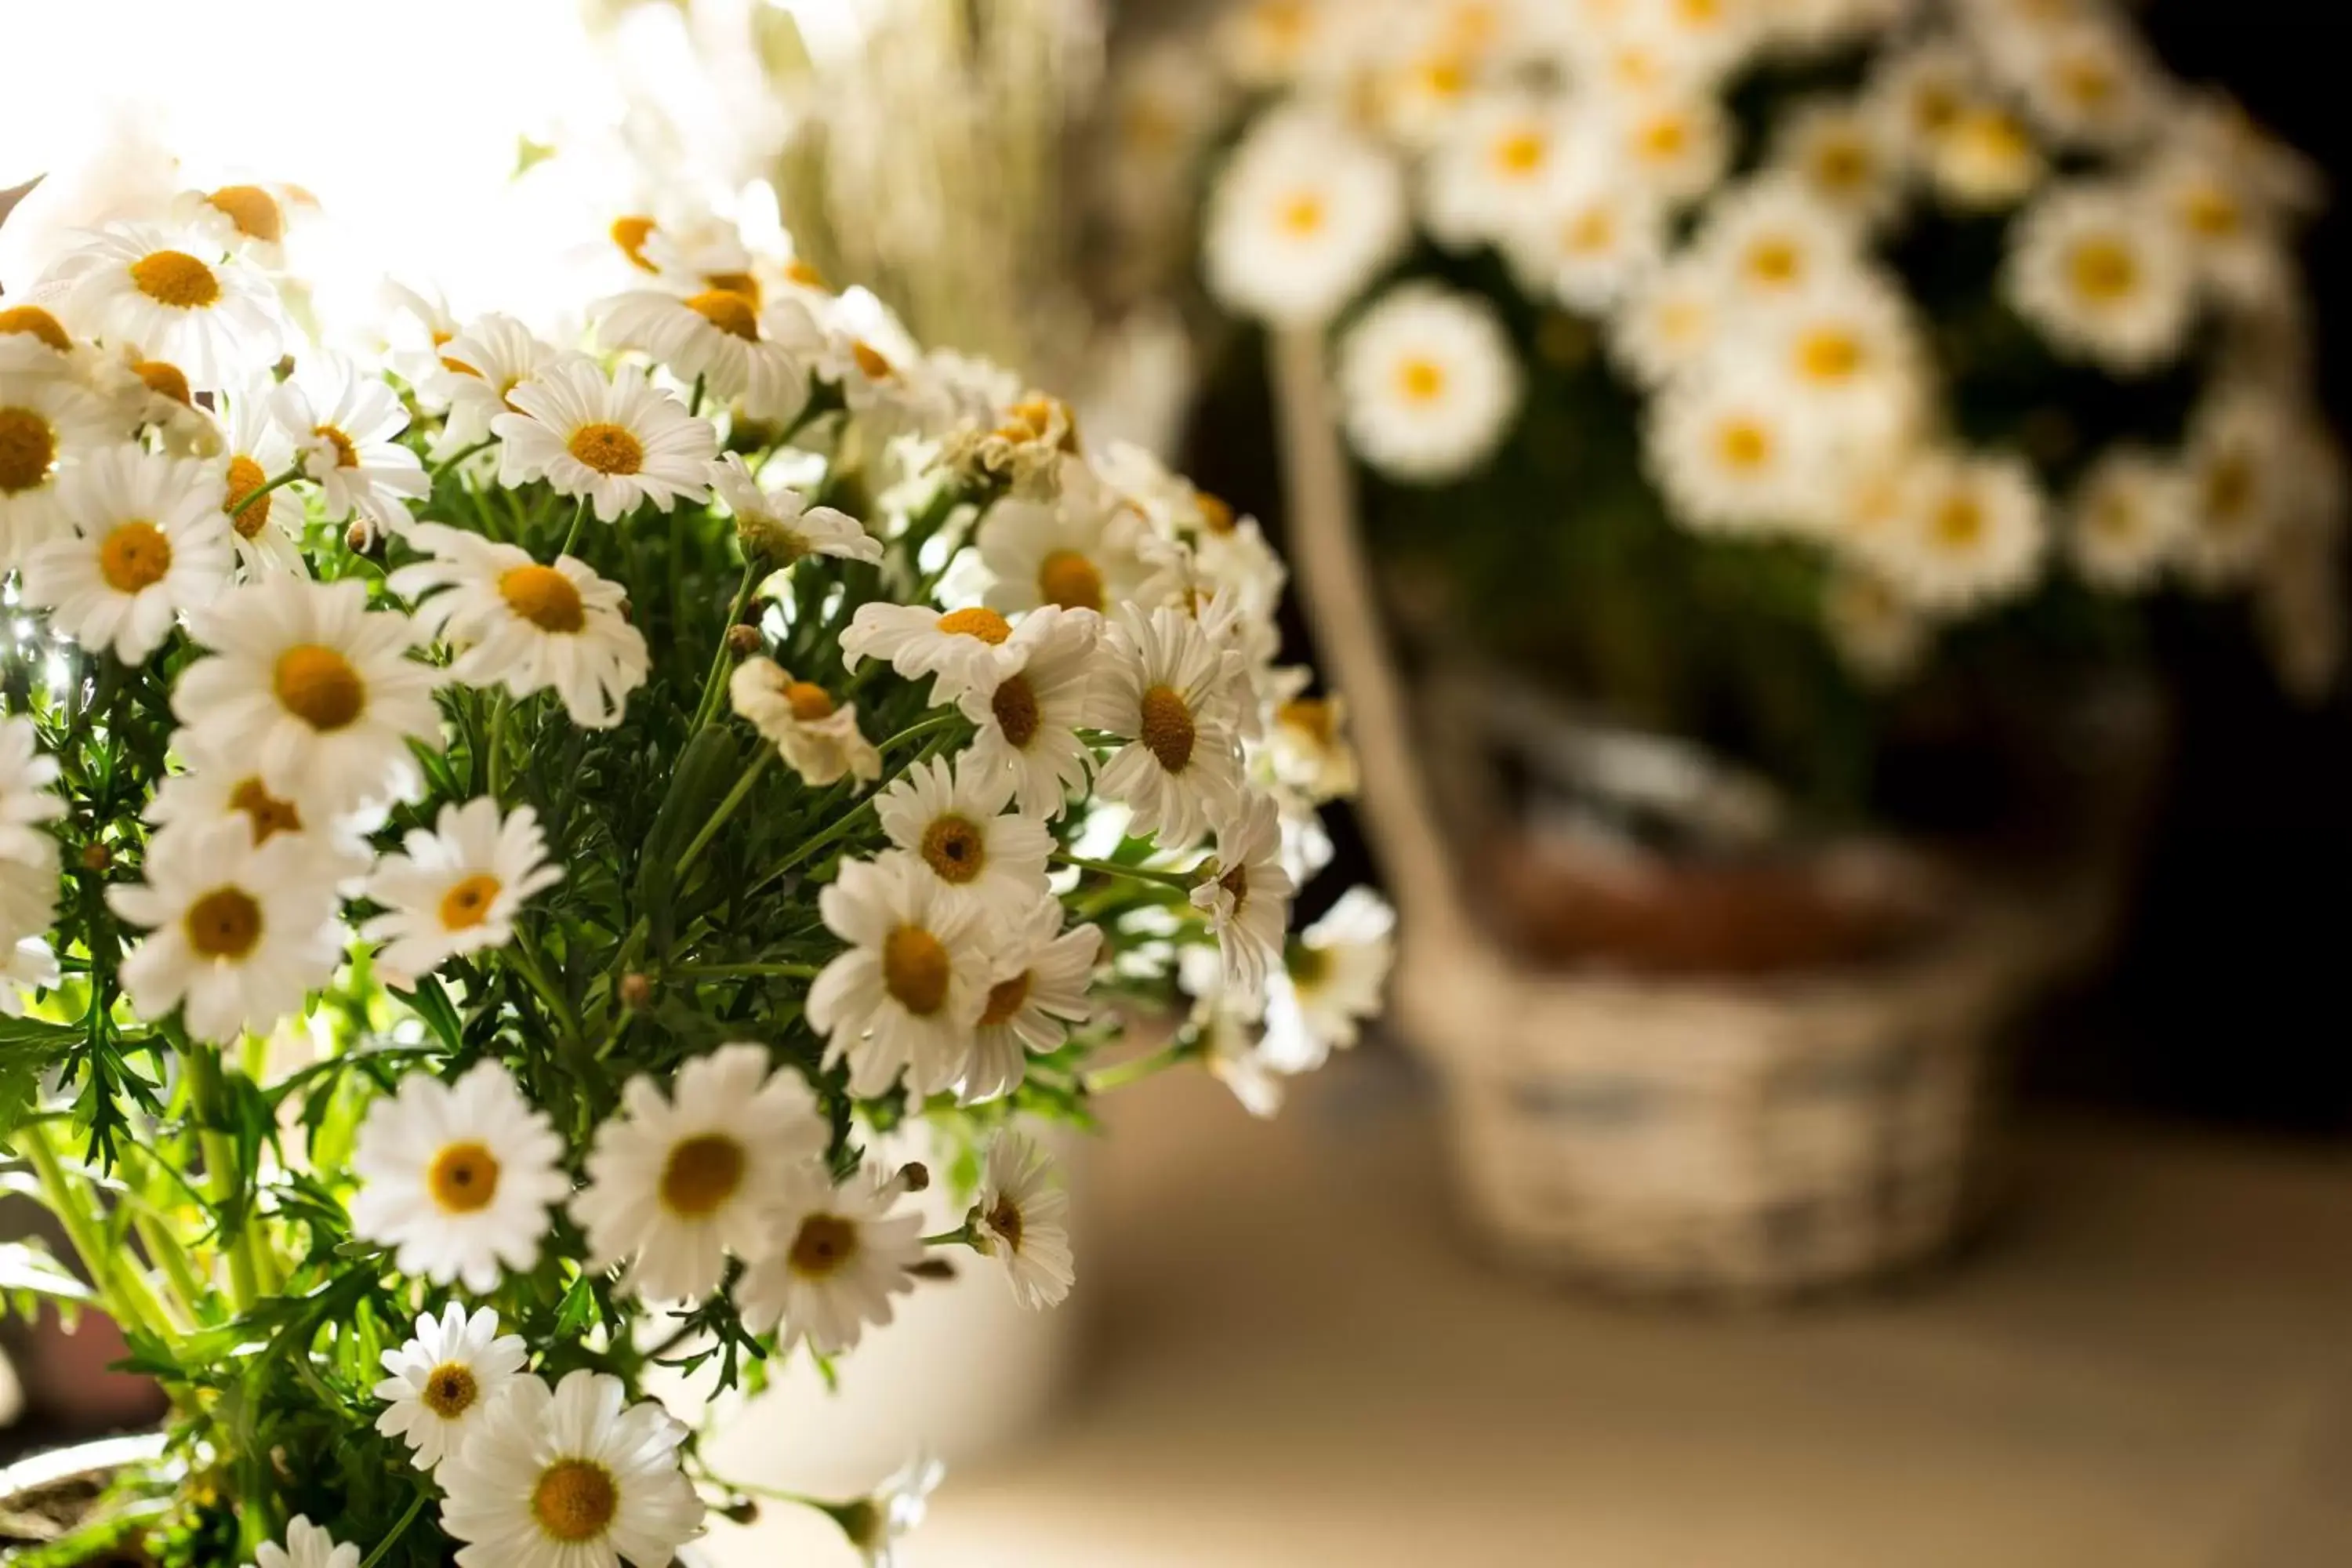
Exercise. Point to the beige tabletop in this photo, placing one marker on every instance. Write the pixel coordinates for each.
(1300, 1359)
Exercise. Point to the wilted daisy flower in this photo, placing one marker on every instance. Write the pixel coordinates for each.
(342, 420)
(955, 647)
(778, 525)
(1041, 989)
(525, 626)
(677, 1181)
(952, 818)
(1246, 894)
(238, 934)
(475, 371)
(147, 539)
(176, 297)
(1307, 744)
(457, 1178)
(573, 1478)
(1840, 153)
(837, 1257)
(1022, 1220)
(1028, 703)
(1428, 382)
(456, 889)
(1732, 455)
(875, 1524)
(620, 442)
(1083, 550)
(1970, 531)
(2235, 466)
(1305, 214)
(43, 418)
(446, 1380)
(907, 994)
(1588, 240)
(314, 686)
(2097, 270)
(1499, 157)
(1331, 982)
(2129, 515)
(1880, 634)
(28, 796)
(1161, 690)
(818, 738)
(721, 338)
(306, 1546)
(265, 531)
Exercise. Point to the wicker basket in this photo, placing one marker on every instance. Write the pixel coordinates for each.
(1724, 1137)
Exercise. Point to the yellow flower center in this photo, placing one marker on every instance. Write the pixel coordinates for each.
(1068, 579)
(1831, 353)
(2104, 271)
(740, 283)
(1303, 216)
(270, 815)
(347, 453)
(1961, 522)
(463, 1178)
(165, 381)
(915, 970)
(871, 360)
(1521, 154)
(2089, 84)
(1775, 261)
(810, 701)
(457, 366)
(34, 321)
(253, 210)
(2115, 516)
(1005, 1000)
(955, 847)
(245, 477)
(319, 685)
(630, 233)
(1315, 717)
(1842, 166)
(27, 447)
(575, 1502)
(1746, 445)
(826, 1244)
(1420, 380)
(1666, 137)
(1005, 1219)
(468, 904)
(2231, 486)
(2211, 212)
(728, 310)
(175, 278)
(450, 1390)
(134, 557)
(1168, 732)
(1443, 77)
(607, 448)
(1216, 513)
(1591, 232)
(984, 624)
(544, 597)
(806, 276)
(1016, 708)
(701, 1174)
(225, 923)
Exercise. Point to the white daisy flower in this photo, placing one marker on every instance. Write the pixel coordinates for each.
(1429, 384)
(1501, 156)
(26, 964)
(1307, 743)
(1840, 153)
(316, 688)
(1588, 240)
(955, 647)
(2236, 464)
(306, 1546)
(474, 373)
(33, 341)
(1918, 92)
(176, 297)
(43, 419)
(677, 1181)
(456, 889)
(1848, 357)
(952, 818)
(1331, 982)
(2096, 269)
(238, 934)
(457, 1179)
(247, 221)
(1231, 1049)
(839, 1255)
(1040, 991)
(779, 526)
(446, 1380)
(2129, 513)
(1970, 532)
(1734, 458)
(1028, 703)
(143, 395)
(222, 782)
(266, 533)
(573, 1478)
(1084, 550)
(1881, 635)
(1160, 690)
(1669, 320)
(1771, 242)
(28, 796)
(1267, 42)
(525, 626)
(1984, 158)
(2233, 237)
(147, 539)
(2090, 83)
(621, 443)
(1022, 1220)
(907, 995)
(343, 420)
(1247, 892)
(874, 1524)
(1674, 145)
(1305, 216)
(818, 740)
(721, 338)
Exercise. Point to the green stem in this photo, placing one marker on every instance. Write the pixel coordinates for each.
(1181, 881)
(527, 960)
(726, 808)
(119, 1283)
(741, 971)
(463, 454)
(694, 404)
(415, 1507)
(1180, 1049)
(183, 1291)
(960, 1236)
(571, 534)
(495, 740)
(714, 685)
(220, 1174)
(288, 478)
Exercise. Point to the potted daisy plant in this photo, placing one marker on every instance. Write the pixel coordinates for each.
(493, 832)
(1776, 435)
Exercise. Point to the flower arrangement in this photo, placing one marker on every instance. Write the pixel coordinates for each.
(490, 832)
(1724, 361)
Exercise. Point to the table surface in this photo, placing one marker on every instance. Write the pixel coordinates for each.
(1298, 1358)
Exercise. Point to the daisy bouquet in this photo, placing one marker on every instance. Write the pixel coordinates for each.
(493, 827)
(1758, 367)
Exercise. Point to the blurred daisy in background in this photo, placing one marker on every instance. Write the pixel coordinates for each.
(1304, 216)
(2127, 521)
(2095, 268)
(1971, 532)
(1428, 382)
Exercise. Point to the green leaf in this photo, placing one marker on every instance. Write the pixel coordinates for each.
(705, 773)
(430, 1002)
